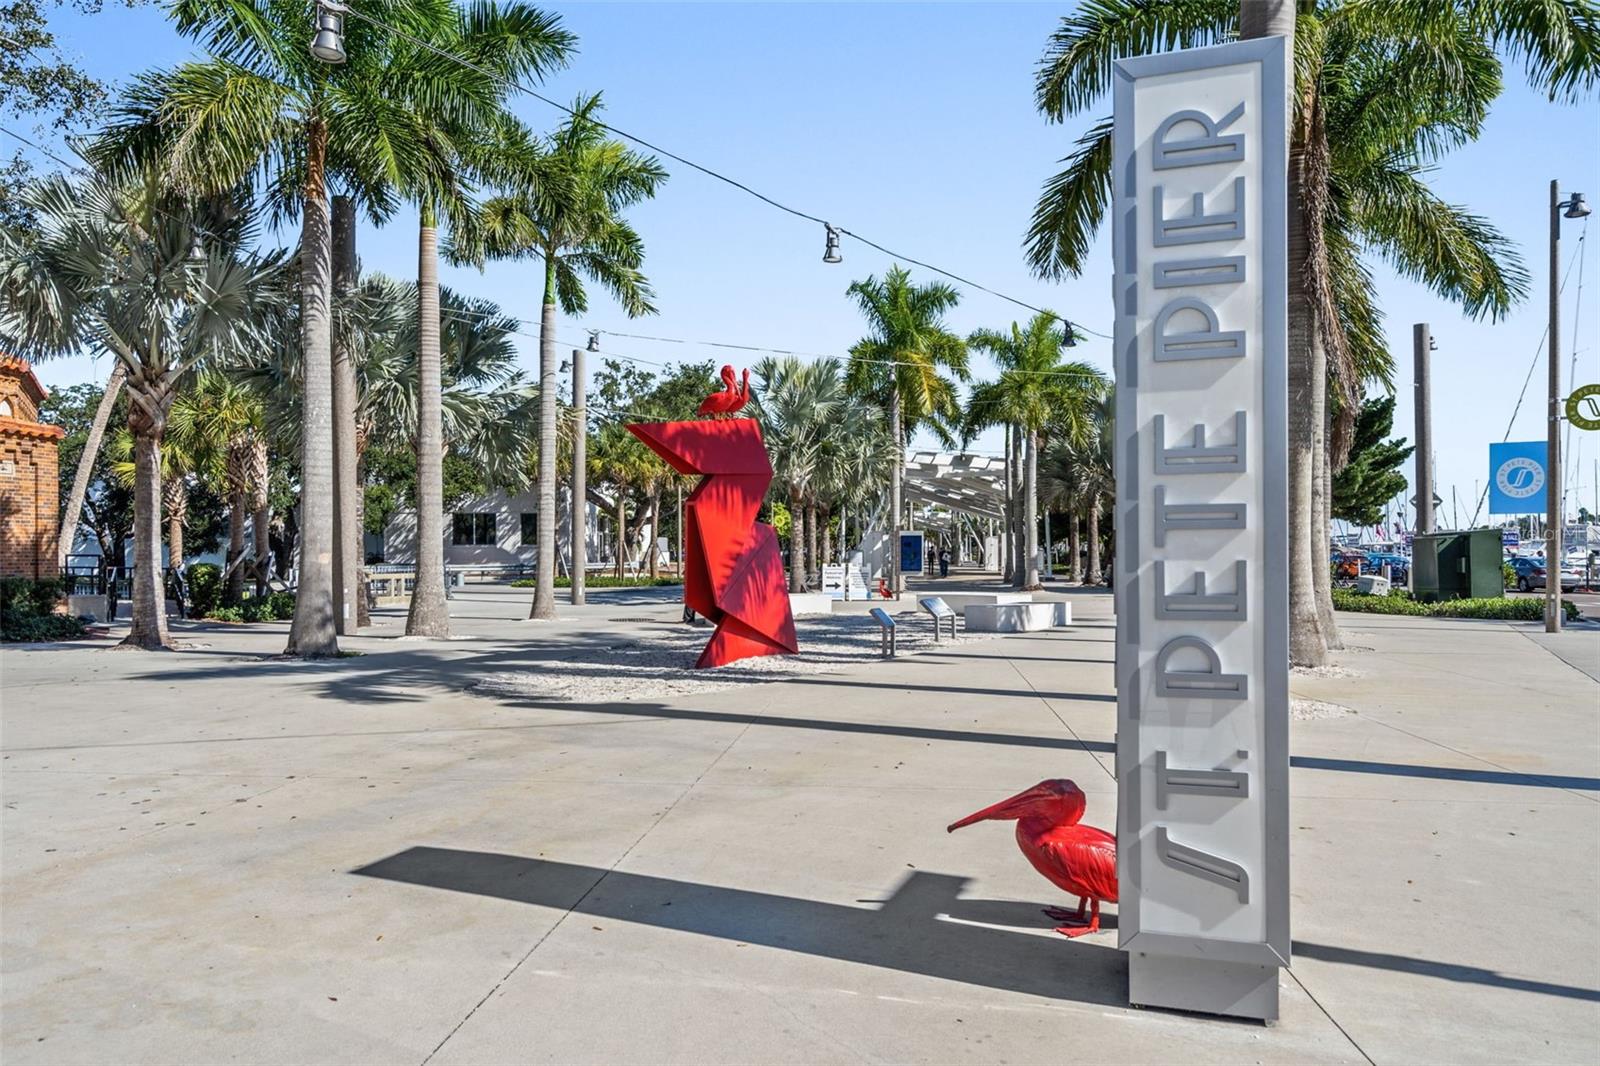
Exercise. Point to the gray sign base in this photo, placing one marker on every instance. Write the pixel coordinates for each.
(1210, 986)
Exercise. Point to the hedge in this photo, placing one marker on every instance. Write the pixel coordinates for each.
(1504, 608)
(27, 612)
(607, 581)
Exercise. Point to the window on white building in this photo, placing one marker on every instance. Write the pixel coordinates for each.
(472, 528)
(530, 529)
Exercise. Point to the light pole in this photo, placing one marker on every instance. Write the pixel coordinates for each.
(1574, 207)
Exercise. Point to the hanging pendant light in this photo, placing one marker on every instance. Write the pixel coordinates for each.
(831, 253)
(328, 44)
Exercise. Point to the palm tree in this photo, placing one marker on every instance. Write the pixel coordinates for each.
(515, 41)
(1079, 467)
(798, 404)
(261, 108)
(563, 203)
(222, 417)
(72, 513)
(160, 282)
(1036, 390)
(1381, 93)
(617, 458)
(906, 363)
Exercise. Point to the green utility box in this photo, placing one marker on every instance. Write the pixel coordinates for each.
(1460, 565)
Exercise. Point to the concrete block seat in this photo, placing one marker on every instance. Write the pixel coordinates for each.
(801, 603)
(1009, 617)
(959, 601)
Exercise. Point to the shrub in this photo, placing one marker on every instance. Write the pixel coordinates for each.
(1508, 576)
(27, 611)
(227, 614)
(280, 606)
(1504, 608)
(205, 590)
(604, 581)
(36, 628)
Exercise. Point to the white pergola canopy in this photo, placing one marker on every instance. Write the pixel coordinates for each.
(974, 485)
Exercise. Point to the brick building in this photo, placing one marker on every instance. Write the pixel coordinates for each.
(29, 492)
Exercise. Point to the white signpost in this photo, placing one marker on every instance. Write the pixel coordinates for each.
(1199, 217)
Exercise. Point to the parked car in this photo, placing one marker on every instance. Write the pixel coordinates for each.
(1530, 574)
(1347, 564)
(1399, 565)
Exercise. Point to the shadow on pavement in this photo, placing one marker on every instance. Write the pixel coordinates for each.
(903, 933)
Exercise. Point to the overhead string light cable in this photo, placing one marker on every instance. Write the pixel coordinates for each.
(709, 172)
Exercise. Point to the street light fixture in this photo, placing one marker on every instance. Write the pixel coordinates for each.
(328, 44)
(1555, 540)
(831, 253)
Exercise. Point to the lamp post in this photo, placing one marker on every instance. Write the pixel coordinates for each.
(1574, 207)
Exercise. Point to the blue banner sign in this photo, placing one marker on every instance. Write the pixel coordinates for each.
(1517, 477)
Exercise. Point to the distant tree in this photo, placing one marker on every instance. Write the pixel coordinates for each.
(106, 505)
(40, 87)
(1372, 476)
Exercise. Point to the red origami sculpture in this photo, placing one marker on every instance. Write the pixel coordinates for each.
(733, 574)
(1079, 859)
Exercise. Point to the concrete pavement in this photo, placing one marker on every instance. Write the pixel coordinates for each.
(215, 856)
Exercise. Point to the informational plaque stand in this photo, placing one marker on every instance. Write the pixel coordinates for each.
(1199, 245)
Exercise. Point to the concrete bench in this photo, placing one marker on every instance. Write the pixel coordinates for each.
(1063, 611)
(886, 624)
(940, 611)
(810, 603)
(1009, 617)
(960, 601)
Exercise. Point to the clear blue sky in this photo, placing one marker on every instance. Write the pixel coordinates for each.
(914, 125)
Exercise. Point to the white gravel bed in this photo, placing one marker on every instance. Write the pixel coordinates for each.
(1302, 710)
(659, 661)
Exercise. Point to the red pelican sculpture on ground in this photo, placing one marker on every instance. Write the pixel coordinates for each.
(733, 574)
(1079, 859)
(732, 398)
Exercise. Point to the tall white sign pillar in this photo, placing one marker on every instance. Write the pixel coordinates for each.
(1199, 213)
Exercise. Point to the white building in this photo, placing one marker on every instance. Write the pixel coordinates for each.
(496, 529)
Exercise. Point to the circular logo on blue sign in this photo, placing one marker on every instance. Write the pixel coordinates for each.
(1519, 478)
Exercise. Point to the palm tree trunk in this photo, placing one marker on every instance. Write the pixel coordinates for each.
(1007, 565)
(429, 615)
(175, 505)
(1074, 544)
(897, 472)
(797, 542)
(544, 589)
(363, 612)
(823, 516)
(1030, 501)
(149, 629)
(73, 512)
(655, 533)
(347, 554)
(235, 560)
(263, 554)
(1019, 535)
(812, 557)
(1091, 576)
(622, 531)
(1307, 366)
(312, 632)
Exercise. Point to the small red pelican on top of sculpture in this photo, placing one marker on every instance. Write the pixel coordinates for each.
(732, 397)
(1079, 859)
